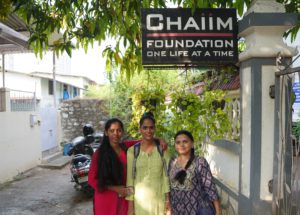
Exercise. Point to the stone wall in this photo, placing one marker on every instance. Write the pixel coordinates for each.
(75, 113)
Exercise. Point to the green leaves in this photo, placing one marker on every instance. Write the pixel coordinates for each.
(5, 9)
(293, 31)
(199, 116)
(88, 21)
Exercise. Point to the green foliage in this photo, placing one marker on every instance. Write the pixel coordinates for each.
(148, 87)
(144, 100)
(97, 91)
(183, 109)
(123, 99)
(120, 102)
(216, 75)
(117, 98)
(199, 115)
(92, 21)
(296, 129)
(5, 9)
(241, 46)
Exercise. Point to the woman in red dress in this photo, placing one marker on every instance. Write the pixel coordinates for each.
(107, 173)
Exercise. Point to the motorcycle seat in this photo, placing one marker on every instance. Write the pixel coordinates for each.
(81, 158)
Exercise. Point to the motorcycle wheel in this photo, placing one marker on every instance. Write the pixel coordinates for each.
(88, 190)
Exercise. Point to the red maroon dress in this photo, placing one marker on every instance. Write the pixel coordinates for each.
(108, 202)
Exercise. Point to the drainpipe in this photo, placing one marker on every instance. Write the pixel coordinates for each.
(3, 70)
(54, 80)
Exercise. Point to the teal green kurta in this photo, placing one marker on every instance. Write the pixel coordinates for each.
(150, 184)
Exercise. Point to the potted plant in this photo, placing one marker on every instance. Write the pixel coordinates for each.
(144, 100)
(198, 115)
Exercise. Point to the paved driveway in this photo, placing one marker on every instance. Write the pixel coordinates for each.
(44, 192)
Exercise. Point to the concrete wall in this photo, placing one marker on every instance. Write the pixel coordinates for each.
(19, 144)
(216, 157)
(224, 160)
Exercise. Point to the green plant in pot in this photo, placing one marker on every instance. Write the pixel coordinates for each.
(184, 113)
(144, 100)
(199, 115)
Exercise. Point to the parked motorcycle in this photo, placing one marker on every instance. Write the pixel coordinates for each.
(82, 149)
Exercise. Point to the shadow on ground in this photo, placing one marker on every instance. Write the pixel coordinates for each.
(43, 191)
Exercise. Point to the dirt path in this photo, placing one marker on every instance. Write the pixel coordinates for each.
(44, 192)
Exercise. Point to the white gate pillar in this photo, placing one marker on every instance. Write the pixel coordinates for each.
(262, 27)
(4, 100)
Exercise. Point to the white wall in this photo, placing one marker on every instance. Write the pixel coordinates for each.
(77, 81)
(18, 81)
(28, 62)
(227, 171)
(48, 100)
(19, 144)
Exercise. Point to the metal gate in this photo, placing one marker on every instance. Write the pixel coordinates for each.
(286, 171)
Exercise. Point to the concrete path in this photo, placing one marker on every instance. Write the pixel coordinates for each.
(43, 191)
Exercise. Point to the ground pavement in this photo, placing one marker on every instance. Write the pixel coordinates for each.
(43, 191)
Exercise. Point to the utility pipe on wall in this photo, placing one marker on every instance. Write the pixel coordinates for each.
(3, 70)
(54, 79)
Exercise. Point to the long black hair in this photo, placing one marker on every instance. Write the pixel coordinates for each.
(110, 168)
(181, 175)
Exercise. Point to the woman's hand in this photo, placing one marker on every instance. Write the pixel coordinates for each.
(130, 208)
(217, 206)
(168, 208)
(163, 144)
(167, 205)
(120, 190)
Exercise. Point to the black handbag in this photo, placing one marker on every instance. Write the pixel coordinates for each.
(210, 210)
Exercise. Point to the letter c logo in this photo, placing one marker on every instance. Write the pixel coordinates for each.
(158, 27)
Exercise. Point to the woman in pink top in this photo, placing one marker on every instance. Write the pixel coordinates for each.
(107, 173)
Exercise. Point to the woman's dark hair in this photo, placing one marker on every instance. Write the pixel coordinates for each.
(110, 168)
(147, 115)
(181, 175)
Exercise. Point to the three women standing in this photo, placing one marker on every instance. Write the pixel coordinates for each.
(191, 187)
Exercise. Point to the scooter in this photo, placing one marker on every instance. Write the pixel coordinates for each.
(82, 149)
(80, 164)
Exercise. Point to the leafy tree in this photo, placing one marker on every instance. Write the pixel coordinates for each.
(5, 8)
(149, 91)
(89, 21)
(123, 99)
(117, 98)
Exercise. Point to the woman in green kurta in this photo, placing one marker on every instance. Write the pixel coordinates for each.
(151, 184)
